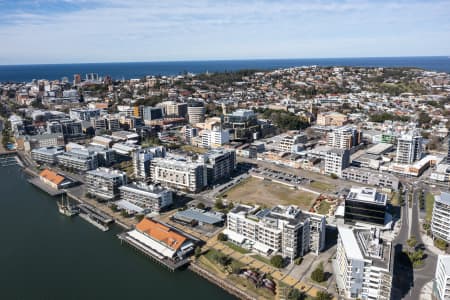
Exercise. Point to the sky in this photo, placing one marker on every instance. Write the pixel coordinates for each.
(76, 31)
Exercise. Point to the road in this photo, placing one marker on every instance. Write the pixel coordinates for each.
(408, 282)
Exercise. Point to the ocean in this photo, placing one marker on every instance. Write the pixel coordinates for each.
(127, 70)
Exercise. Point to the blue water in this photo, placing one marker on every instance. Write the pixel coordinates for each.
(25, 73)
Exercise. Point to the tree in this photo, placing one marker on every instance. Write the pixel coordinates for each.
(323, 295)
(277, 261)
(412, 241)
(222, 237)
(318, 275)
(197, 252)
(441, 244)
(219, 204)
(298, 260)
(295, 294)
(200, 206)
(334, 176)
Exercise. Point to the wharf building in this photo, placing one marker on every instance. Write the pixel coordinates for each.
(179, 173)
(364, 205)
(441, 283)
(148, 198)
(345, 137)
(81, 160)
(162, 243)
(196, 112)
(336, 160)
(284, 230)
(104, 183)
(440, 220)
(409, 148)
(363, 265)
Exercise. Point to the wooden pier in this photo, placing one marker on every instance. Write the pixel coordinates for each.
(170, 264)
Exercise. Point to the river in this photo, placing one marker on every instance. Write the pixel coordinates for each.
(45, 255)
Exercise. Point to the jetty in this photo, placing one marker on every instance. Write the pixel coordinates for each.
(95, 216)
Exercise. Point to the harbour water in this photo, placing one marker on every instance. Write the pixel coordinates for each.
(46, 255)
(127, 70)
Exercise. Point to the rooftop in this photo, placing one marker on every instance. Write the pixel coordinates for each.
(443, 198)
(366, 194)
(52, 176)
(161, 233)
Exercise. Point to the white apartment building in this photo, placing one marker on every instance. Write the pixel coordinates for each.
(150, 198)
(141, 161)
(344, 137)
(336, 160)
(283, 229)
(441, 285)
(409, 148)
(104, 183)
(287, 143)
(179, 173)
(215, 138)
(440, 221)
(363, 264)
(78, 159)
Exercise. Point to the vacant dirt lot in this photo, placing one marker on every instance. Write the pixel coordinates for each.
(267, 193)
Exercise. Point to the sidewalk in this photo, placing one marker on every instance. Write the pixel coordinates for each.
(426, 292)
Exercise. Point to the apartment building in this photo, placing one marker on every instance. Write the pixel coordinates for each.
(331, 119)
(365, 205)
(287, 143)
(220, 164)
(363, 264)
(179, 173)
(440, 220)
(141, 161)
(174, 109)
(217, 137)
(47, 155)
(78, 159)
(409, 148)
(104, 183)
(84, 114)
(336, 160)
(150, 198)
(344, 137)
(441, 284)
(30, 142)
(283, 229)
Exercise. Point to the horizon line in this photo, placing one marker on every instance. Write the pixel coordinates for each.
(218, 60)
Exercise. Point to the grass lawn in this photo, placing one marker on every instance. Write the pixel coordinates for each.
(429, 203)
(237, 248)
(322, 186)
(250, 286)
(324, 208)
(262, 259)
(267, 193)
(194, 149)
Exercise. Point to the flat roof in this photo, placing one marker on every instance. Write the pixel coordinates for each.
(443, 198)
(199, 215)
(379, 148)
(350, 244)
